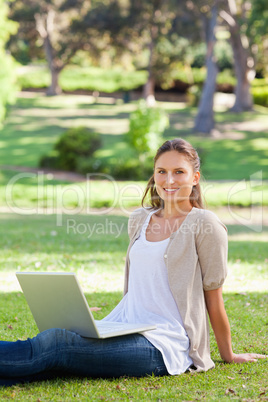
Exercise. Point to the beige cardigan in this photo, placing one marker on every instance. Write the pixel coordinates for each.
(196, 260)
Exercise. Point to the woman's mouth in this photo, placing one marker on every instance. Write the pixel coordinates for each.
(171, 190)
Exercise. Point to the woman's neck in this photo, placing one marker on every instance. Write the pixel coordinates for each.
(175, 211)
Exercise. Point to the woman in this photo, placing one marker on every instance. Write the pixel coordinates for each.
(175, 268)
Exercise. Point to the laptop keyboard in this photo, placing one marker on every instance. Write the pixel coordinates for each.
(105, 327)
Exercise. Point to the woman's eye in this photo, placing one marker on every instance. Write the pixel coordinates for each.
(179, 171)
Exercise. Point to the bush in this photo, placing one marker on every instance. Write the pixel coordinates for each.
(146, 126)
(223, 54)
(194, 95)
(73, 148)
(8, 88)
(49, 161)
(119, 169)
(131, 169)
(74, 144)
(91, 165)
(260, 82)
(260, 95)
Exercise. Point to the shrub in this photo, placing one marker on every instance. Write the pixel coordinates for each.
(91, 165)
(73, 150)
(194, 94)
(49, 161)
(119, 169)
(146, 126)
(130, 169)
(260, 95)
(74, 144)
(260, 82)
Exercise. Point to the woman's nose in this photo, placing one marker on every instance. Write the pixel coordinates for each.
(170, 178)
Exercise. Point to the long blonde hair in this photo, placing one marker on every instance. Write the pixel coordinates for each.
(185, 148)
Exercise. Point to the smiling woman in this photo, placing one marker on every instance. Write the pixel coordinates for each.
(174, 185)
(175, 267)
(177, 173)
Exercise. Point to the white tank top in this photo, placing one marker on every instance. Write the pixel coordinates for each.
(149, 300)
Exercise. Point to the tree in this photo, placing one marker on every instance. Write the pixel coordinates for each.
(52, 21)
(146, 30)
(204, 121)
(243, 60)
(257, 32)
(7, 66)
(164, 29)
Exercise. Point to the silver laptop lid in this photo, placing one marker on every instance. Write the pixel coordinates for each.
(56, 300)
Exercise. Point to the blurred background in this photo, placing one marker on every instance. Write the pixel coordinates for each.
(96, 86)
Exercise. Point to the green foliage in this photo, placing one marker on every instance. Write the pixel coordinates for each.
(46, 119)
(146, 127)
(7, 65)
(74, 145)
(260, 95)
(260, 82)
(194, 95)
(257, 31)
(223, 55)
(131, 169)
(74, 78)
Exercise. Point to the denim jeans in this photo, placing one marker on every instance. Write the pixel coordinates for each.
(58, 352)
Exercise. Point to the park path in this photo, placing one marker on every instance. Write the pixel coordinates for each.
(57, 174)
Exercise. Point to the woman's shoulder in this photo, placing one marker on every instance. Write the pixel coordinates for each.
(137, 218)
(206, 217)
(205, 214)
(140, 213)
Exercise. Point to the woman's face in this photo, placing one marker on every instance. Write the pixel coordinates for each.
(174, 177)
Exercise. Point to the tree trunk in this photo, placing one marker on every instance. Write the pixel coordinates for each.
(148, 91)
(243, 63)
(54, 88)
(204, 121)
(148, 88)
(243, 97)
(45, 27)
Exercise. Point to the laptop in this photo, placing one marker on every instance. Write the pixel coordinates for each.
(56, 300)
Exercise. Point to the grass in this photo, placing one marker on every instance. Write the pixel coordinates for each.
(36, 243)
(36, 190)
(83, 78)
(112, 79)
(30, 133)
(34, 124)
(64, 232)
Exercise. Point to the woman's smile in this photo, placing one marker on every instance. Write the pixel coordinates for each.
(174, 178)
(171, 190)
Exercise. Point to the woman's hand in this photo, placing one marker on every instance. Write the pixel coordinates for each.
(247, 357)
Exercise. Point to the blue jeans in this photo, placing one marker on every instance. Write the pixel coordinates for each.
(58, 352)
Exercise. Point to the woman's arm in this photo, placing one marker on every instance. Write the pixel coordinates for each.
(221, 327)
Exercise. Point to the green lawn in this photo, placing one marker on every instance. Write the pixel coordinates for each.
(83, 78)
(94, 247)
(55, 226)
(35, 122)
(36, 190)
